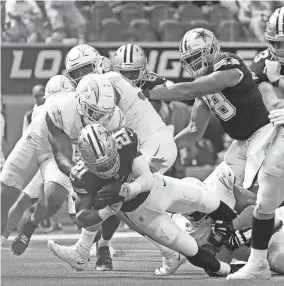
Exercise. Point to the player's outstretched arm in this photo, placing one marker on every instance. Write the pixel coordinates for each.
(61, 146)
(198, 123)
(209, 84)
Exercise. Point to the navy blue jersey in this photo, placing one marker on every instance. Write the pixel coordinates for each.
(258, 66)
(87, 182)
(240, 108)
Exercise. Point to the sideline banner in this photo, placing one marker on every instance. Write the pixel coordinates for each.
(24, 66)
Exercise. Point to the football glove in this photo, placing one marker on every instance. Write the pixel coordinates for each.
(272, 70)
(113, 190)
(239, 238)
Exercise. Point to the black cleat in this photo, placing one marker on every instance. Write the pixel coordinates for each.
(104, 260)
(22, 240)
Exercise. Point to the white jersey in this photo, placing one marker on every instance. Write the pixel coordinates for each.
(63, 112)
(138, 111)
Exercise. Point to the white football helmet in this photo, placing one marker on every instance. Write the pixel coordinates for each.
(198, 49)
(274, 34)
(130, 60)
(58, 83)
(96, 98)
(81, 60)
(103, 65)
(98, 149)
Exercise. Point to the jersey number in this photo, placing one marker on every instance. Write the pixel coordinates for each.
(122, 138)
(221, 106)
(78, 170)
(261, 55)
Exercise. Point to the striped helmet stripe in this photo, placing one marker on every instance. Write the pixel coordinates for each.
(93, 140)
(128, 53)
(131, 53)
(97, 139)
(125, 53)
(280, 21)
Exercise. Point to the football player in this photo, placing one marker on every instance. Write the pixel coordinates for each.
(199, 225)
(31, 153)
(66, 112)
(114, 176)
(226, 85)
(156, 140)
(130, 60)
(31, 193)
(268, 65)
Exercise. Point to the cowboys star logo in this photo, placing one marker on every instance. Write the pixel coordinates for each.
(201, 34)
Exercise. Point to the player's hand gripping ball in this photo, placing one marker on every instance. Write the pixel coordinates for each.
(110, 193)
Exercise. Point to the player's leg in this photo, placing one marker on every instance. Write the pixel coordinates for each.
(56, 187)
(19, 168)
(29, 196)
(104, 258)
(270, 195)
(235, 157)
(78, 255)
(161, 228)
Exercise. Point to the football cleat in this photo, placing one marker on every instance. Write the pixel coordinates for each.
(22, 240)
(252, 270)
(93, 251)
(104, 260)
(68, 254)
(170, 264)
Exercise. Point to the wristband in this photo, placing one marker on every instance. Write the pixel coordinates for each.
(106, 212)
(124, 190)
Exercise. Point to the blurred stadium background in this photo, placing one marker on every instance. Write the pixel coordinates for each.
(36, 35)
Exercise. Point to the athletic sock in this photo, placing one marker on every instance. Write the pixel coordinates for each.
(85, 242)
(261, 233)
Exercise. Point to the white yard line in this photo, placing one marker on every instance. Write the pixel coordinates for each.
(74, 236)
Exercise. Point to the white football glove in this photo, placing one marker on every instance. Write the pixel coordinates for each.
(272, 70)
(276, 116)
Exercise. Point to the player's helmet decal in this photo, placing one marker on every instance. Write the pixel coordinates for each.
(130, 60)
(274, 34)
(98, 150)
(198, 49)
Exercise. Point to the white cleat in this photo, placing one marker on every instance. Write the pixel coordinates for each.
(170, 264)
(69, 254)
(258, 270)
(93, 251)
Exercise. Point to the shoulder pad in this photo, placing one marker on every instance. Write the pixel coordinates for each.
(226, 61)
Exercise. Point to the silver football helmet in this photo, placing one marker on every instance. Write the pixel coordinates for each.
(130, 60)
(98, 149)
(198, 49)
(81, 60)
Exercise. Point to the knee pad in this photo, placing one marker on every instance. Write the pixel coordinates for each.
(11, 179)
